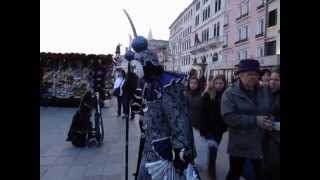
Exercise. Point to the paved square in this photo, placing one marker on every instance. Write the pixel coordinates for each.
(59, 160)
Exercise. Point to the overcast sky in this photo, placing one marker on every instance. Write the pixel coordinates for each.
(97, 26)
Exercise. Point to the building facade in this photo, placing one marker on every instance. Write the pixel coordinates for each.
(250, 31)
(196, 36)
(212, 36)
(272, 43)
(180, 39)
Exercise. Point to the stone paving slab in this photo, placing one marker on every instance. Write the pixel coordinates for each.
(59, 160)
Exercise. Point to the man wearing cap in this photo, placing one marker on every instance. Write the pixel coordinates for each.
(246, 108)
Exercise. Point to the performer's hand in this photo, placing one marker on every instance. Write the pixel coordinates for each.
(182, 158)
(179, 165)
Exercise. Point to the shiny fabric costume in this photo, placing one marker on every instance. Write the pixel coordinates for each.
(164, 116)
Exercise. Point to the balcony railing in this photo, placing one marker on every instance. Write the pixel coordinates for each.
(225, 25)
(241, 41)
(211, 43)
(260, 6)
(259, 35)
(242, 16)
(271, 60)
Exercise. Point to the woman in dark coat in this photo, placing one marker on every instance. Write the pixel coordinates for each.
(212, 125)
(194, 101)
(271, 146)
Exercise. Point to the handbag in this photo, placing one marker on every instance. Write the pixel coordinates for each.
(116, 91)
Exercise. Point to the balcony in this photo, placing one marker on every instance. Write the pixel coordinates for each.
(273, 31)
(242, 16)
(273, 60)
(213, 42)
(260, 35)
(225, 25)
(260, 6)
(241, 41)
(225, 46)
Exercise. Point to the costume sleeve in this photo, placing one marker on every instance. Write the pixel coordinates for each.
(175, 110)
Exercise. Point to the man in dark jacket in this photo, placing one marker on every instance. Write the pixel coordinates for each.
(245, 108)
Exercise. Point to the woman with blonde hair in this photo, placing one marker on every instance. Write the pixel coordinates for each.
(212, 125)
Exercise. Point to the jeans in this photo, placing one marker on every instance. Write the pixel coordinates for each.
(237, 165)
(213, 151)
(120, 103)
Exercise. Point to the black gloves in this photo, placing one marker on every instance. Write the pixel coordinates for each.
(182, 158)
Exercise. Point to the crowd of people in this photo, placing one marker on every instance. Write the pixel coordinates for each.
(249, 109)
(175, 109)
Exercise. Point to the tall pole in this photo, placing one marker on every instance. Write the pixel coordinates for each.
(127, 127)
(127, 102)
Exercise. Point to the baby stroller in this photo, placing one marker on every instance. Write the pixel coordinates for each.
(82, 131)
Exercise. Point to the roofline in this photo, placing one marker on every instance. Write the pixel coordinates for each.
(182, 13)
(159, 40)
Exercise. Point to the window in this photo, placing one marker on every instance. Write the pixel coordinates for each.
(205, 35)
(238, 55)
(238, 35)
(242, 33)
(238, 13)
(225, 39)
(206, 13)
(217, 5)
(260, 3)
(224, 58)
(243, 54)
(271, 48)
(226, 19)
(214, 57)
(246, 29)
(260, 51)
(197, 20)
(218, 28)
(226, 4)
(197, 6)
(245, 8)
(260, 26)
(272, 18)
(205, 1)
